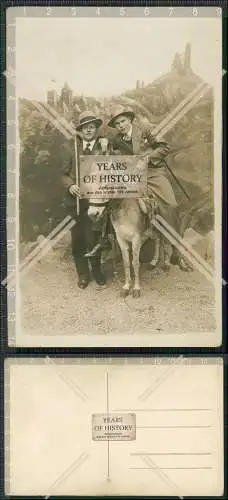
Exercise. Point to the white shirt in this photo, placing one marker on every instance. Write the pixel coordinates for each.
(91, 144)
(128, 136)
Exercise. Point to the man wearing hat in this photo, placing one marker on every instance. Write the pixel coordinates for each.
(132, 139)
(84, 234)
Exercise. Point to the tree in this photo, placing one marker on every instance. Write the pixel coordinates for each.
(40, 188)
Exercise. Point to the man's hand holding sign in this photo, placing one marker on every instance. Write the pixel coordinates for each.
(74, 190)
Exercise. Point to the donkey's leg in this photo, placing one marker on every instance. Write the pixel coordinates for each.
(136, 245)
(114, 253)
(168, 250)
(154, 262)
(126, 262)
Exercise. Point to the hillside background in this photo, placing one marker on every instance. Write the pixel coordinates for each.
(191, 140)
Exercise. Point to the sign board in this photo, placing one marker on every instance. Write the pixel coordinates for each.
(113, 176)
(114, 426)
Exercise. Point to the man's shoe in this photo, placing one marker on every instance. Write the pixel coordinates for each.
(83, 282)
(99, 277)
(184, 265)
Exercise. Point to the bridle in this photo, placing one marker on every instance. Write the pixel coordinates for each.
(98, 203)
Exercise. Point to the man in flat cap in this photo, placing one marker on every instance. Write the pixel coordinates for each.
(84, 234)
(132, 139)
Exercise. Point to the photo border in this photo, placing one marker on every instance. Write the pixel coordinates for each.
(16, 337)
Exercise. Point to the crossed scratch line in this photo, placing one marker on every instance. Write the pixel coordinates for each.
(159, 381)
(185, 248)
(40, 250)
(76, 389)
(162, 475)
(72, 468)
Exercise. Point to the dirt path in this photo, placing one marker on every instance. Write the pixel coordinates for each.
(52, 304)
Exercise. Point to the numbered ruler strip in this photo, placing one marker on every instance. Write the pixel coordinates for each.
(114, 427)
(13, 153)
(126, 361)
(94, 11)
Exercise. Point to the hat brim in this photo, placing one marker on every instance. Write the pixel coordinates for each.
(129, 114)
(97, 121)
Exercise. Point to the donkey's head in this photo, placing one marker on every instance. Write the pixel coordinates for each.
(96, 208)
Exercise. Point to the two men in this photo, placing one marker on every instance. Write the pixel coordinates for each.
(129, 140)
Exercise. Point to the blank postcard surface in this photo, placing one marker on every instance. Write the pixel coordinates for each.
(124, 427)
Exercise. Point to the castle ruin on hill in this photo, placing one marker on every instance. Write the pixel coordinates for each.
(67, 101)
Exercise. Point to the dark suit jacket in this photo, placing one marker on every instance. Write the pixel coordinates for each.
(143, 141)
(69, 171)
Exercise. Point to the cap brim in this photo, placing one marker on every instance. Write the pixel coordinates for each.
(96, 121)
(130, 114)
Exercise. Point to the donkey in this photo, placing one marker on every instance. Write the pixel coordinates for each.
(128, 217)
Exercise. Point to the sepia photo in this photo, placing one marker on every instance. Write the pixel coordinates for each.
(114, 204)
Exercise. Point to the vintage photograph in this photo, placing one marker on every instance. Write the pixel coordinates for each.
(119, 180)
(127, 427)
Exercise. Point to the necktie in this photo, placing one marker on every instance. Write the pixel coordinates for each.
(87, 149)
(126, 138)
